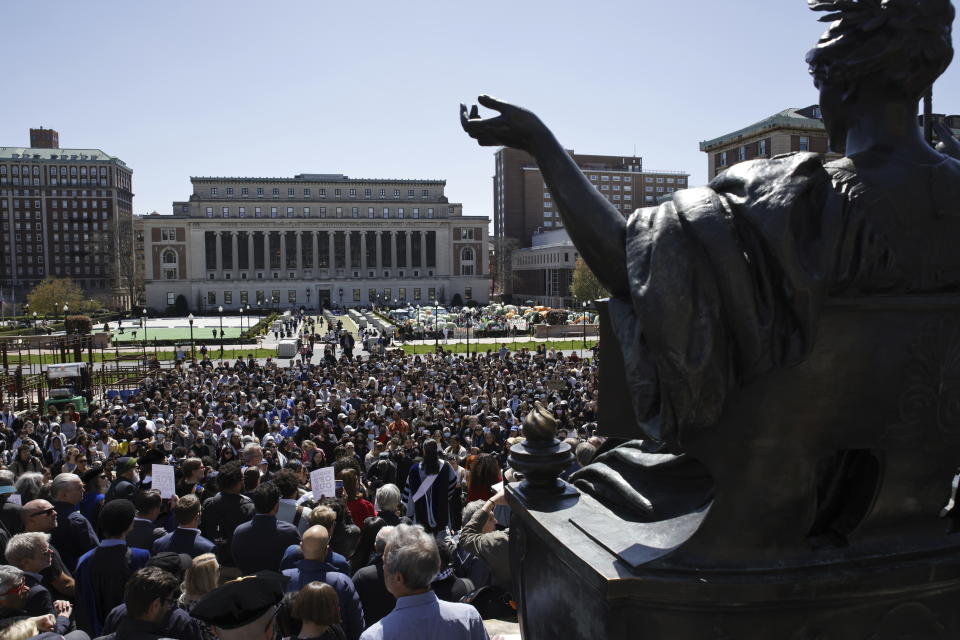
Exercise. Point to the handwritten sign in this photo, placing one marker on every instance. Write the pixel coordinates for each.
(163, 481)
(322, 483)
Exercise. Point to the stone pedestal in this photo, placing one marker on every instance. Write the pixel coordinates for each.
(583, 574)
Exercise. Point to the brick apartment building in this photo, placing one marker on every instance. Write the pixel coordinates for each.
(62, 211)
(523, 205)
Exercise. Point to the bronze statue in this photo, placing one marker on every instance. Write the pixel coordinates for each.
(790, 337)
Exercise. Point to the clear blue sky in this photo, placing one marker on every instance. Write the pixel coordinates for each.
(370, 89)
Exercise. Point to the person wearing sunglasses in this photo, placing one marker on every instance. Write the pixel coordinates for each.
(41, 516)
(14, 592)
(32, 554)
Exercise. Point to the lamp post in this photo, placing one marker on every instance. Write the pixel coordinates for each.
(143, 326)
(584, 326)
(193, 355)
(34, 323)
(436, 311)
(341, 298)
(469, 324)
(241, 319)
(220, 311)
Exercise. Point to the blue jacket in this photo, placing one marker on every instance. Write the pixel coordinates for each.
(294, 554)
(351, 611)
(188, 541)
(102, 574)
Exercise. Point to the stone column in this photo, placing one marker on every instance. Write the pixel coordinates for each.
(315, 236)
(266, 250)
(347, 236)
(363, 252)
(298, 239)
(332, 261)
(250, 263)
(423, 252)
(379, 260)
(283, 250)
(235, 265)
(219, 240)
(393, 250)
(409, 253)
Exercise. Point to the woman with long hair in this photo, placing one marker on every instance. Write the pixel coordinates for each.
(363, 552)
(360, 509)
(431, 484)
(484, 473)
(200, 579)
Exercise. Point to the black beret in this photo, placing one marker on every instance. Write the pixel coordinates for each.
(241, 601)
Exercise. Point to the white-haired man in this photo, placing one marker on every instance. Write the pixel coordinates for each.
(410, 563)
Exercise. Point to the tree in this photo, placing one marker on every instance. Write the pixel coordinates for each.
(584, 286)
(49, 296)
(126, 272)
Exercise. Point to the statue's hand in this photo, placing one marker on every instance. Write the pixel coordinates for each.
(515, 126)
(948, 144)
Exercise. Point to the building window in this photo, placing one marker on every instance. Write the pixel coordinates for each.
(228, 297)
(290, 193)
(213, 191)
(171, 298)
(289, 212)
(306, 212)
(762, 148)
(429, 212)
(355, 212)
(804, 143)
(466, 261)
(260, 192)
(370, 212)
(353, 193)
(257, 212)
(244, 297)
(468, 293)
(367, 193)
(273, 212)
(741, 153)
(168, 235)
(356, 295)
(291, 296)
(307, 193)
(275, 191)
(211, 297)
(229, 191)
(415, 213)
(225, 212)
(386, 212)
(209, 212)
(400, 212)
(723, 158)
(244, 191)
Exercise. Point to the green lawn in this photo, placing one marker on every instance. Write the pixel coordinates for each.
(461, 347)
(213, 352)
(178, 333)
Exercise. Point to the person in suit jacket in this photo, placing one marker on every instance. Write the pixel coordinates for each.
(127, 482)
(103, 571)
(145, 530)
(259, 544)
(31, 553)
(225, 512)
(74, 534)
(372, 590)
(186, 537)
(313, 568)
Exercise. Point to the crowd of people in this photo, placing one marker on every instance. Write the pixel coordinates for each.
(415, 530)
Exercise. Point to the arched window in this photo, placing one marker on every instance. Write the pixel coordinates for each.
(466, 261)
(169, 265)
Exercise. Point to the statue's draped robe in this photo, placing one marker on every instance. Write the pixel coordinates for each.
(727, 281)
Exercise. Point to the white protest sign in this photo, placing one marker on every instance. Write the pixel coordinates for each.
(322, 483)
(162, 476)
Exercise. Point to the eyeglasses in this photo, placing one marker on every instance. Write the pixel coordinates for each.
(43, 512)
(20, 588)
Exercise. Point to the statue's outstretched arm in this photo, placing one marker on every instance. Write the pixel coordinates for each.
(596, 228)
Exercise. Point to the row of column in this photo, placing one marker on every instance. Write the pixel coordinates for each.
(331, 238)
